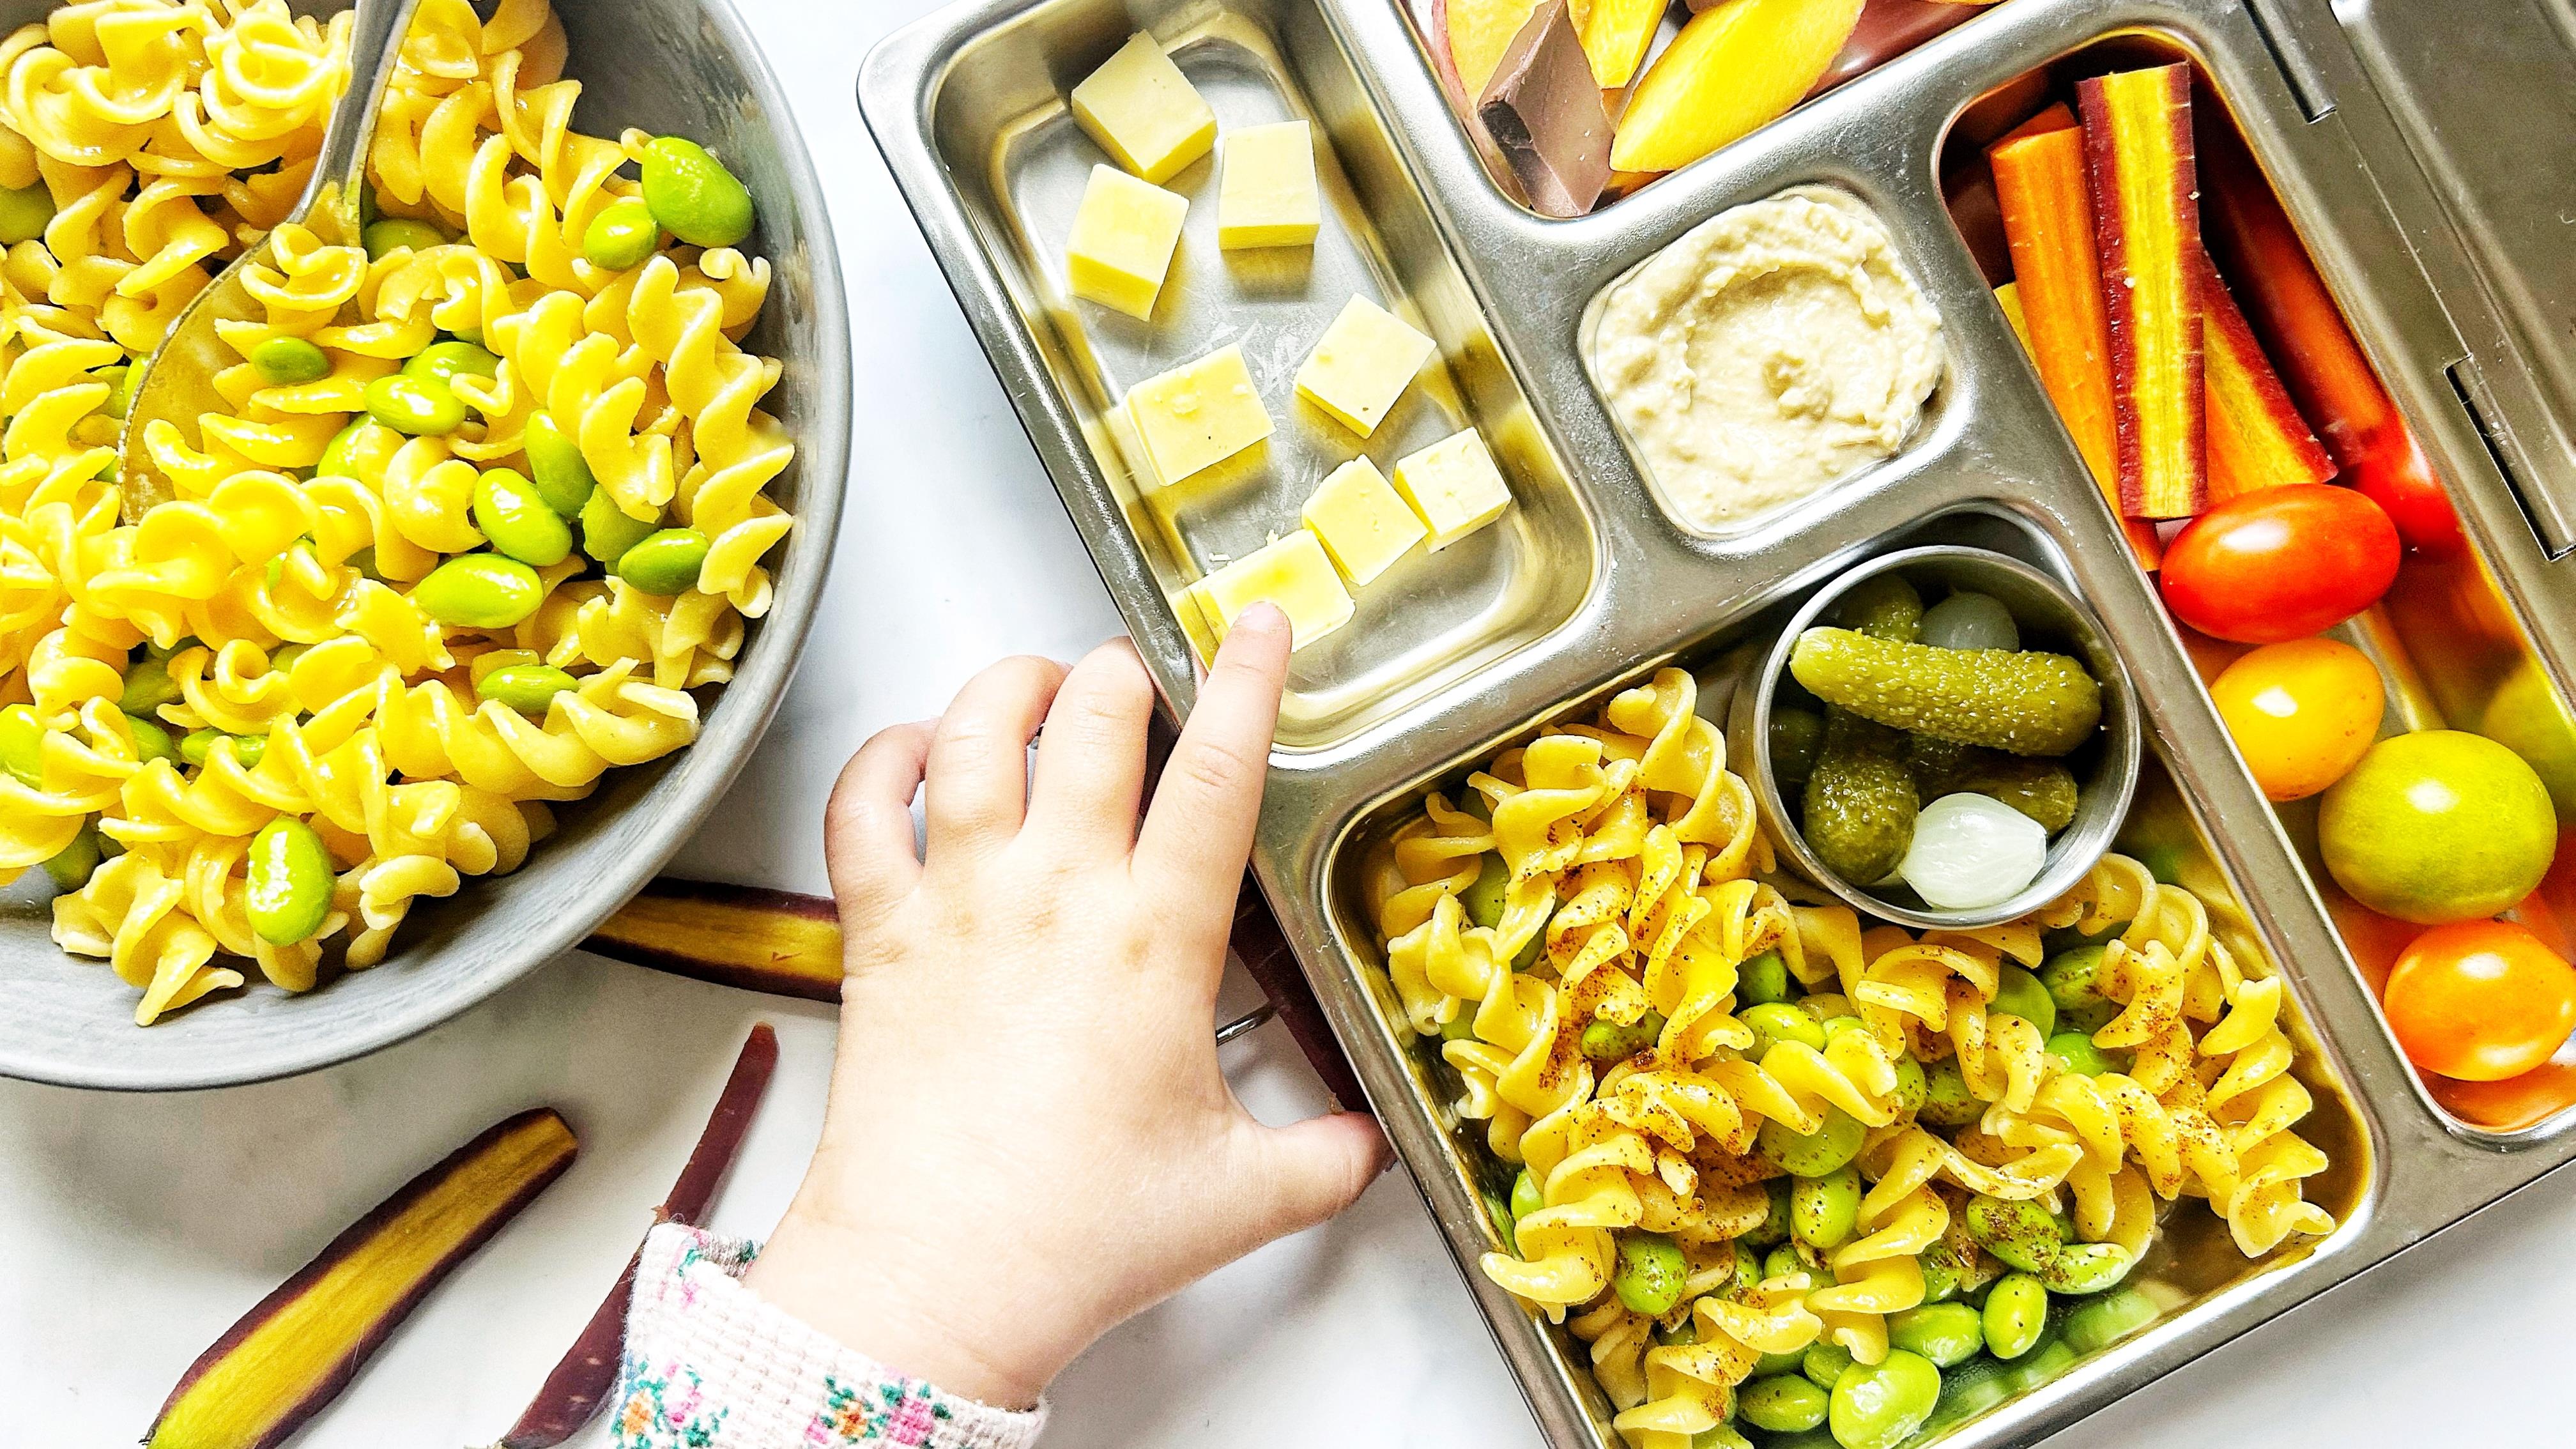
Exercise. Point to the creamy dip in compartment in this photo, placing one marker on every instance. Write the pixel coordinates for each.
(1772, 349)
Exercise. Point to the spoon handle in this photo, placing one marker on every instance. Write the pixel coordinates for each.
(330, 200)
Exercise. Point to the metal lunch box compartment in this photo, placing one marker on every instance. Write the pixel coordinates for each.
(1990, 467)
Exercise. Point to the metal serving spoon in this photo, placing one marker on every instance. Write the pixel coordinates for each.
(178, 381)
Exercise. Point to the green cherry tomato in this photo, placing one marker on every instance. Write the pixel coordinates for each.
(480, 591)
(608, 531)
(508, 510)
(443, 362)
(24, 211)
(556, 466)
(415, 406)
(396, 233)
(286, 361)
(692, 195)
(623, 235)
(527, 688)
(1650, 1274)
(666, 562)
(1878, 1406)
(70, 866)
(22, 744)
(289, 890)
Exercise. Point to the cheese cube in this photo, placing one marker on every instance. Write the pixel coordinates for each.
(1363, 364)
(1198, 414)
(1144, 112)
(1454, 486)
(1292, 573)
(1122, 241)
(1361, 521)
(1265, 190)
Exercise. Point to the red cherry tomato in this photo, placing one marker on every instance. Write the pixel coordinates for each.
(2394, 474)
(2281, 563)
(2480, 1001)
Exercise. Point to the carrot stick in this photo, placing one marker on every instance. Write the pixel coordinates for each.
(2256, 437)
(2138, 141)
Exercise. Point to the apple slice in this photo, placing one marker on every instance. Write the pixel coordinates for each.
(1735, 67)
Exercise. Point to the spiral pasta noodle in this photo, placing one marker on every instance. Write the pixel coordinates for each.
(1749, 1129)
(267, 645)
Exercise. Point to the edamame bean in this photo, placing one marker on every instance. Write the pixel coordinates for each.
(1911, 1086)
(1461, 1027)
(666, 562)
(194, 744)
(1945, 1333)
(1784, 1261)
(608, 531)
(70, 866)
(148, 686)
(2078, 1053)
(508, 510)
(1783, 1404)
(556, 466)
(479, 591)
(119, 398)
(1748, 1268)
(412, 406)
(2100, 1322)
(2041, 1364)
(1947, 1103)
(1473, 802)
(198, 746)
(289, 890)
(528, 688)
(1650, 1274)
(1763, 979)
(2082, 1268)
(1609, 1041)
(1835, 1141)
(623, 235)
(24, 212)
(1940, 1275)
(2020, 1233)
(364, 561)
(1969, 1390)
(395, 233)
(1677, 1335)
(2074, 979)
(1774, 1226)
(1777, 1021)
(1719, 1436)
(1824, 1210)
(1506, 1230)
(1483, 898)
(2019, 992)
(2016, 1312)
(286, 361)
(339, 456)
(444, 362)
(1877, 1406)
(1812, 1439)
(22, 744)
(1526, 1197)
(1777, 1363)
(1824, 1364)
(692, 195)
(151, 742)
(1835, 1026)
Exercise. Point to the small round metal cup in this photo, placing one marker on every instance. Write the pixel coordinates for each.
(2049, 618)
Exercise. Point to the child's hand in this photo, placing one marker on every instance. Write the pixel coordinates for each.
(1028, 1138)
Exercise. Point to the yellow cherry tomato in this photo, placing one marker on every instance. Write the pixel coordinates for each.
(2301, 713)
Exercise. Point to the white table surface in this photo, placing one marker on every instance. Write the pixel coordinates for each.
(139, 1227)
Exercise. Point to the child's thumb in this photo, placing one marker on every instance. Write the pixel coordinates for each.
(1318, 1167)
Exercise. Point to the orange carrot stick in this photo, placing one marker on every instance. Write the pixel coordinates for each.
(2138, 141)
(2256, 437)
(2057, 117)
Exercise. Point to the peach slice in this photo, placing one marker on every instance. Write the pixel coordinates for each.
(1475, 33)
(1735, 67)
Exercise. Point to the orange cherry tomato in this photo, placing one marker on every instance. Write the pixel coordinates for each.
(2301, 713)
(2480, 1001)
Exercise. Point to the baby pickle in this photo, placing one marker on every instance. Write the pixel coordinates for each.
(1860, 802)
(289, 890)
(623, 235)
(2022, 702)
(1884, 607)
(1797, 737)
(286, 361)
(666, 562)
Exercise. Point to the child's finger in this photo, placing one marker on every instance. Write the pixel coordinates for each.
(1091, 759)
(979, 758)
(867, 827)
(1198, 831)
(1309, 1171)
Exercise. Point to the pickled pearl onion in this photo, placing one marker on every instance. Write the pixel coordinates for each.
(1972, 851)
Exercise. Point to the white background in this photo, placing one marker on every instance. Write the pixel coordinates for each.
(137, 1228)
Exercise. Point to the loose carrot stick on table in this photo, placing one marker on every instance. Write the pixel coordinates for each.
(2138, 143)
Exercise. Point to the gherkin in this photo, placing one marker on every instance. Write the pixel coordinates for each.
(1860, 800)
(2023, 702)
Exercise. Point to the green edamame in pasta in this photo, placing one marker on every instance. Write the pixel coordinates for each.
(2020, 1233)
(509, 512)
(417, 407)
(286, 361)
(608, 531)
(555, 466)
(288, 893)
(1748, 1266)
(151, 742)
(1762, 980)
(396, 233)
(1824, 1364)
(70, 867)
(1526, 1197)
(1947, 1102)
(2080, 1056)
(1776, 1022)
(1783, 1404)
(1945, 1333)
(692, 195)
(2016, 1313)
(1969, 1390)
(22, 744)
(2044, 1362)
(1824, 1210)
(527, 688)
(2074, 980)
(1835, 1142)
(1650, 1274)
(1719, 1436)
(666, 562)
(1461, 1027)
(480, 591)
(2100, 1322)
(1912, 1087)
(1785, 1261)
(1880, 1405)
(2019, 993)
(148, 686)
(1778, 1363)
(2083, 1268)
(24, 212)
(118, 380)
(339, 456)
(444, 362)
(623, 235)
(1774, 1227)
(1940, 1275)
(1610, 1041)
(1482, 900)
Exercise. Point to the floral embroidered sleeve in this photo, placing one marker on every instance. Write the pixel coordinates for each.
(709, 1365)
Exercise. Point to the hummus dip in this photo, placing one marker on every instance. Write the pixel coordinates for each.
(1772, 349)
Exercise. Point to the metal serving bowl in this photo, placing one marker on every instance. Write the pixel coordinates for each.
(2049, 617)
(682, 66)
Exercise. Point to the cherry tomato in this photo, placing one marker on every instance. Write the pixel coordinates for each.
(2281, 563)
(2301, 713)
(2480, 1001)
(2393, 473)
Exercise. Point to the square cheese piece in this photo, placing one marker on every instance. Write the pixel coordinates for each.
(1144, 112)
(1292, 573)
(1363, 364)
(1197, 414)
(1361, 521)
(1453, 486)
(1122, 241)
(1265, 191)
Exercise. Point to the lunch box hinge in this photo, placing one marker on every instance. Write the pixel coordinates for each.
(2315, 97)
(2546, 523)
